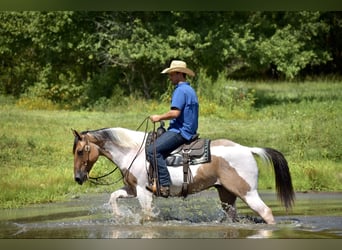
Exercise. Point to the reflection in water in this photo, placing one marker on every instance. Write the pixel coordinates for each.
(199, 216)
(261, 234)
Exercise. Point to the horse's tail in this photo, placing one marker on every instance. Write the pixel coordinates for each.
(282, 174)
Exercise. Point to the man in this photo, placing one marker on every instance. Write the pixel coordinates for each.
(183, 116)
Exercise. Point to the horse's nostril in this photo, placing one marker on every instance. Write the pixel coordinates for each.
(79, 180)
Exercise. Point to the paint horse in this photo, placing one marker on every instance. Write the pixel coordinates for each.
(232, 170)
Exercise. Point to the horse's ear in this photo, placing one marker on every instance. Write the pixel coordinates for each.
(76, 134)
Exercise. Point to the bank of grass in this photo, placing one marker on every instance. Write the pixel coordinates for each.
(300, 120)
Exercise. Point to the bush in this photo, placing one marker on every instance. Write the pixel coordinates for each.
(224, 97)
(32, 103)
(61, 93)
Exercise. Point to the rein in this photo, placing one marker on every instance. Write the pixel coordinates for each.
(95, 180)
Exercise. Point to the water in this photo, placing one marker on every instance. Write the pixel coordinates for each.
(316, 215)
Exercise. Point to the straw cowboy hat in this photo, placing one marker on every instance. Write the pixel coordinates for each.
(178, 66)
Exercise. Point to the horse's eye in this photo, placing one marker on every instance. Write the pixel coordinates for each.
(79, 152)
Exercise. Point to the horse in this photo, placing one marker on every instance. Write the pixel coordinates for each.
(232, 170)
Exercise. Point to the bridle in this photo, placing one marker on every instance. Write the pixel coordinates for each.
(95, 180)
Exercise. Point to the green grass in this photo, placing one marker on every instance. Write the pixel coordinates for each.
(300, 120)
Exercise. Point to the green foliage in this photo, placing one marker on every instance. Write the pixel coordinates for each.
(143, 49)
(42, 48)
(80, 58)
(290, 48)
(63, 94)
(224, 98)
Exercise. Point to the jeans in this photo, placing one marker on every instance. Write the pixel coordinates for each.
(161, 148)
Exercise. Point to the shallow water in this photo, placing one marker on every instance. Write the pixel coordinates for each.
(315, 215)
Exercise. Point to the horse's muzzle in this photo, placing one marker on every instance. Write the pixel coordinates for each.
(80, 178)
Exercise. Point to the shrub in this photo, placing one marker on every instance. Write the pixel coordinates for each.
(224, 97)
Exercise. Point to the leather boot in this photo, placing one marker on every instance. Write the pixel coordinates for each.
(164, 191)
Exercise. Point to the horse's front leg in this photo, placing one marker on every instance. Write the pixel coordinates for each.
(125, 192)
(145, 198)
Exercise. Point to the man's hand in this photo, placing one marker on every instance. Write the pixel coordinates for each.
(155, 118)
(173, 113)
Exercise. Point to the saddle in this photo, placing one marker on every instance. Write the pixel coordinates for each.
(196, 151)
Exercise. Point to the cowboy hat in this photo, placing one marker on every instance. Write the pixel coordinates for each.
(178, 66)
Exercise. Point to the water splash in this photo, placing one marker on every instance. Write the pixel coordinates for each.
(194, 217)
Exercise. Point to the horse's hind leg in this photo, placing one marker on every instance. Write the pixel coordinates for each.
(228, 202)
(254, 201)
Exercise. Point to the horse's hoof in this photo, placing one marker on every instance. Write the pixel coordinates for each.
(147, 218)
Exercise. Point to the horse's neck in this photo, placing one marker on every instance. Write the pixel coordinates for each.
(120, 146)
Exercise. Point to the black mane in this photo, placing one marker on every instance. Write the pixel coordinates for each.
(99, 134)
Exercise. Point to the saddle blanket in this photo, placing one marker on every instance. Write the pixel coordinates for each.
(198, 150)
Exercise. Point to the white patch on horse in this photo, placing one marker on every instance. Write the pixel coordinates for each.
(255, 203)
(176, 174)
(127, 138)
(238, 157)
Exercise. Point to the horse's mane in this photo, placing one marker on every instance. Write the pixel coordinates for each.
(121, 136)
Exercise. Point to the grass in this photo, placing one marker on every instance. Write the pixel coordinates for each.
(299, 119)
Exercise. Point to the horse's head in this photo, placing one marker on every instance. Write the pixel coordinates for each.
(86, 154)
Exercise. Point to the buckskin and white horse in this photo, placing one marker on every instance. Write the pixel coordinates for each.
(232, 170)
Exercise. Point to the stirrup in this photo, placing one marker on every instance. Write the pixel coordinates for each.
(164, 191)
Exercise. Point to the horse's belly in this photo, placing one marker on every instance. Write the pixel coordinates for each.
(176, 174)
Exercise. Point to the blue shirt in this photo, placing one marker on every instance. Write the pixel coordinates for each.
(185, 99)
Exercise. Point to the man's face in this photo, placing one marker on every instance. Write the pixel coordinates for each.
(175, 77)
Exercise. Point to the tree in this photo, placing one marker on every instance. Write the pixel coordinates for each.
(294, 44)
(75, 58)
(45, 49)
